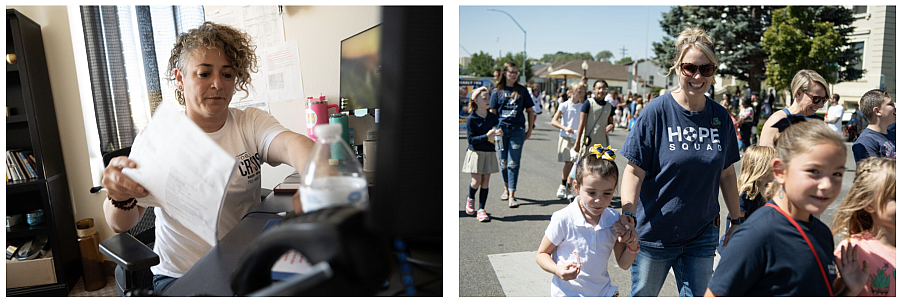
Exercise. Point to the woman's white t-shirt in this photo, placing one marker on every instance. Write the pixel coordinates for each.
(246, 135)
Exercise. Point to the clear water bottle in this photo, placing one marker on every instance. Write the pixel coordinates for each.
(498, 141)
(332, 175)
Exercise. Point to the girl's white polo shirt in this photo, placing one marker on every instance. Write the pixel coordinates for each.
(570, 117)
(570, 232)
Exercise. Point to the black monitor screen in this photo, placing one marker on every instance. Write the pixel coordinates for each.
(361, 68)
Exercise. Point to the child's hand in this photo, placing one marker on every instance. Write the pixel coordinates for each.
(728, 235)
(624, 229)
(569, 271)
(569, 130)
(851, 272)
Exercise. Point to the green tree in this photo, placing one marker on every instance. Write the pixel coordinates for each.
(803, 37)
(481, 65)
(517, 58)
(627, 59)
(604, 55)
(736, 31)
(560, 56)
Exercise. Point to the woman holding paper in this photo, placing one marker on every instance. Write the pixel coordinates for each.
(207, 65)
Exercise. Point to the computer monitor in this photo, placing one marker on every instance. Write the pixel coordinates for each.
(360, 69)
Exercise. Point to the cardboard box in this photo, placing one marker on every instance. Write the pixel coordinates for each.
(29, 273)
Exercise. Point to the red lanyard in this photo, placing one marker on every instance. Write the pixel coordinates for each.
(824, 276)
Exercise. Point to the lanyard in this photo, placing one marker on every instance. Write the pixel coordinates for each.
(824, 276)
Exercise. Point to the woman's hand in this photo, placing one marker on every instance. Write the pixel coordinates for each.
(569, 130)
(119, 186)
(852, 273)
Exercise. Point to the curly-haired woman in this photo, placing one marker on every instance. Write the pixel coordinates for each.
(207, 65)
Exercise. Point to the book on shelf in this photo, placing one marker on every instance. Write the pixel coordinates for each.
(28, 164)
(19, 166)
(12, 167)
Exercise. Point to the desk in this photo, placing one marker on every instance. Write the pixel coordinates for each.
(212, 274)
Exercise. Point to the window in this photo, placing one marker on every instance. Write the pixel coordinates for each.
(860, 47)
(651, 80)
(127, 53)
(860, 9)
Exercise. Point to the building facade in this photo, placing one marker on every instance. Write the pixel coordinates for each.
(876, 35)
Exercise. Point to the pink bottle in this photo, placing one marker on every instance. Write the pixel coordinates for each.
(316, 113)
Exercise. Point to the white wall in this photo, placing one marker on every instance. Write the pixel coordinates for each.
(319, 31)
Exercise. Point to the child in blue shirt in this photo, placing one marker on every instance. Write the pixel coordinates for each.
(580, 238)
(876, 139)
(781, 250)
(754, 184)
(481, 158)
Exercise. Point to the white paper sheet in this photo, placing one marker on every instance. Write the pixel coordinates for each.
(266, 29)
(281, 68)
(183, 169)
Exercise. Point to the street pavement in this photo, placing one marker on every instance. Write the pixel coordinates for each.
(496, 258)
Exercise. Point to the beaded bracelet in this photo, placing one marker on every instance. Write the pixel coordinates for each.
(633, 251)
(123, 205)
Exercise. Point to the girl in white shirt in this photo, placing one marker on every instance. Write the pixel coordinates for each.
(577, 244)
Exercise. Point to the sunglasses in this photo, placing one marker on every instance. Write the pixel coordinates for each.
(706, 70)
(816, 99)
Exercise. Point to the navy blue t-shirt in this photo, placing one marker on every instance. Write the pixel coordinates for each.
(767, 256)
(683, 154)
(874, 144)
(476, 128)
(748, 206)
(511, 112)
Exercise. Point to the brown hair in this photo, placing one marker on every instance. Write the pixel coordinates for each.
(870, 100)
(234, 44)
(589, 163)
(477, 91)
(502, 82)
(875, 183)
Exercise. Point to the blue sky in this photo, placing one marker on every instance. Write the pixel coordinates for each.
(561, 28)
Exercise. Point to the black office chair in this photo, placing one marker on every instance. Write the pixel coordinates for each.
(132, 250)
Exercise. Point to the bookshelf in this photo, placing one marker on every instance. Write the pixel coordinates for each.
(31, 126)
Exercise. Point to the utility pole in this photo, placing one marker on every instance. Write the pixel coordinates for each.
(623, 51)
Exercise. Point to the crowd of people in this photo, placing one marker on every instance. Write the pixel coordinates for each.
(669, 220)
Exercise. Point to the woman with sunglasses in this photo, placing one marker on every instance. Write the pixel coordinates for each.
(510, 100)
(810, 92)
(680, 154)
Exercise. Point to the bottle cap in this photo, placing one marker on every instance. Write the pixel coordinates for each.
(325, 130)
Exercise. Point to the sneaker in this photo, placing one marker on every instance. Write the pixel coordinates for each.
(470, 206)
(561, 192)
(482, 216)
